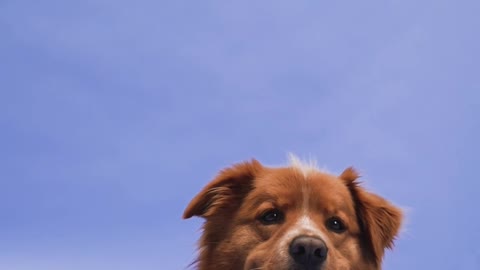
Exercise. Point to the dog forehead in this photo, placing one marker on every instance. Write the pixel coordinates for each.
(317, 192)
(283, 181)
(293, 177)
(281, 185)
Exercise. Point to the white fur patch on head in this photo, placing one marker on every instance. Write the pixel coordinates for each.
(304, 226)
(306, 167)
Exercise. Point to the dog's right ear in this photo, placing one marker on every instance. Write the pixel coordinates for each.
(225, 191)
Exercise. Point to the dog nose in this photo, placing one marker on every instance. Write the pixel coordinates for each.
(308, 251)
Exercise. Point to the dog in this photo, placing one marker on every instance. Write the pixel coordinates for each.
(295, 217)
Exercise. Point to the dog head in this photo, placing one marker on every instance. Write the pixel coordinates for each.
(291, 218)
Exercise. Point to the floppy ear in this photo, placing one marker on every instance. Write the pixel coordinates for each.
(225, 191)
(379, 220)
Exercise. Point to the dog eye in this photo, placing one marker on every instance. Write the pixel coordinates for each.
(335, 224)
(273, 216)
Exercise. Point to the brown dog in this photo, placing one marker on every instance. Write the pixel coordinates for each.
(291, 218)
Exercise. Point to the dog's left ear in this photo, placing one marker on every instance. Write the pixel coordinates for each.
(379, 220)
(225, 191)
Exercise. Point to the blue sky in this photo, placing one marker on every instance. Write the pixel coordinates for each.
(113, 114)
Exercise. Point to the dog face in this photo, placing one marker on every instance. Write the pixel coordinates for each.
(291, 218)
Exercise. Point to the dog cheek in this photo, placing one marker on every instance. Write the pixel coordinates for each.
(241, 243)
(266, 257)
